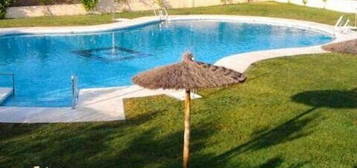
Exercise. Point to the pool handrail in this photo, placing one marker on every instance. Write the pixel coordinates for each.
(75, 91)
(343, 25)
(162, 13)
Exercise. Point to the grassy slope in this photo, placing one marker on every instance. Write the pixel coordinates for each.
(292, 112)
(269, 9)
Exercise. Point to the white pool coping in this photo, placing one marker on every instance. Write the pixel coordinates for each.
(106, 104)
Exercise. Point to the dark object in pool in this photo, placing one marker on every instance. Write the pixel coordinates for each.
(111, 53)
(343, 47)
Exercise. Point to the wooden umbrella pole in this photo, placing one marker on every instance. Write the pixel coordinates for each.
(186, 144)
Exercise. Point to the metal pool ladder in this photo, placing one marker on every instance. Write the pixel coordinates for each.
(75, 91)
(162, 13)
(342, 24)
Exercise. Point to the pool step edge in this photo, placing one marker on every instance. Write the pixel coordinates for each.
(5, 93)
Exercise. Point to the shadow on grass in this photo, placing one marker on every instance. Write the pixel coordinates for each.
(149, 150)
(123, 144)
(95, 144)
(109, 144)
(8, 130)
(328, 98)
(273, 162)
(88, 145)
(291, 129)
(278, 161)
(64, 145)
(285, 132)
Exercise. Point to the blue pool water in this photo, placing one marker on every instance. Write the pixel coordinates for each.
(43, 64)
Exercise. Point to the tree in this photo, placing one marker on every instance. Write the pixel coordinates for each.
(325, 3)
(89, 4)
(304, 2)
(3, 5)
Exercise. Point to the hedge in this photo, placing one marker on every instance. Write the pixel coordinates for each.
(37, 2)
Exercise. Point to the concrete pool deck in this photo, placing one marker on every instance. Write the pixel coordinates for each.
(106, 104)
(97, 104)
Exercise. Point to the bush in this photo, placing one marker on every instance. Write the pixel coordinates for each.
(3, 5)
(45, 2)
(304, 2)
(41, 2)
(89, 4)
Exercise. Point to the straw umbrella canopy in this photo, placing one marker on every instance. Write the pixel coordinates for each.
(188, 75)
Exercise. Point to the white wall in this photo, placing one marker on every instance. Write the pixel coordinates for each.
(135, 5)
(347, 6)
(108, 6)
(35, 11)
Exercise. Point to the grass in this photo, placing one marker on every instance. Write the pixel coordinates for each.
(292, 112)
(268, 9)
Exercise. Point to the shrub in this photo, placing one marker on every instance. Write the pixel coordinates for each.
(42, 2)
(325, 3)
(89, 4)
(304, 2)
(45, 2)
(3, 5)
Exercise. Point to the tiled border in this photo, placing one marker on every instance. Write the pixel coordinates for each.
(97, 112)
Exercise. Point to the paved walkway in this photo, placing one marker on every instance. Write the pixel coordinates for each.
(106, 104)
(100, 104)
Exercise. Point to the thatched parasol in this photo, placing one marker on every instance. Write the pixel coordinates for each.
(188, 75)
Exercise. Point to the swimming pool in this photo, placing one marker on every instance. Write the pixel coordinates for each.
(43, 64)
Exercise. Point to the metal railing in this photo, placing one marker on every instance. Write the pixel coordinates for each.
(75, 91)
(12, 75)
(355, 19)
(162, 13)
(342, 25)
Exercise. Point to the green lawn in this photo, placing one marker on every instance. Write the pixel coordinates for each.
(268, 9)
(292, 112)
